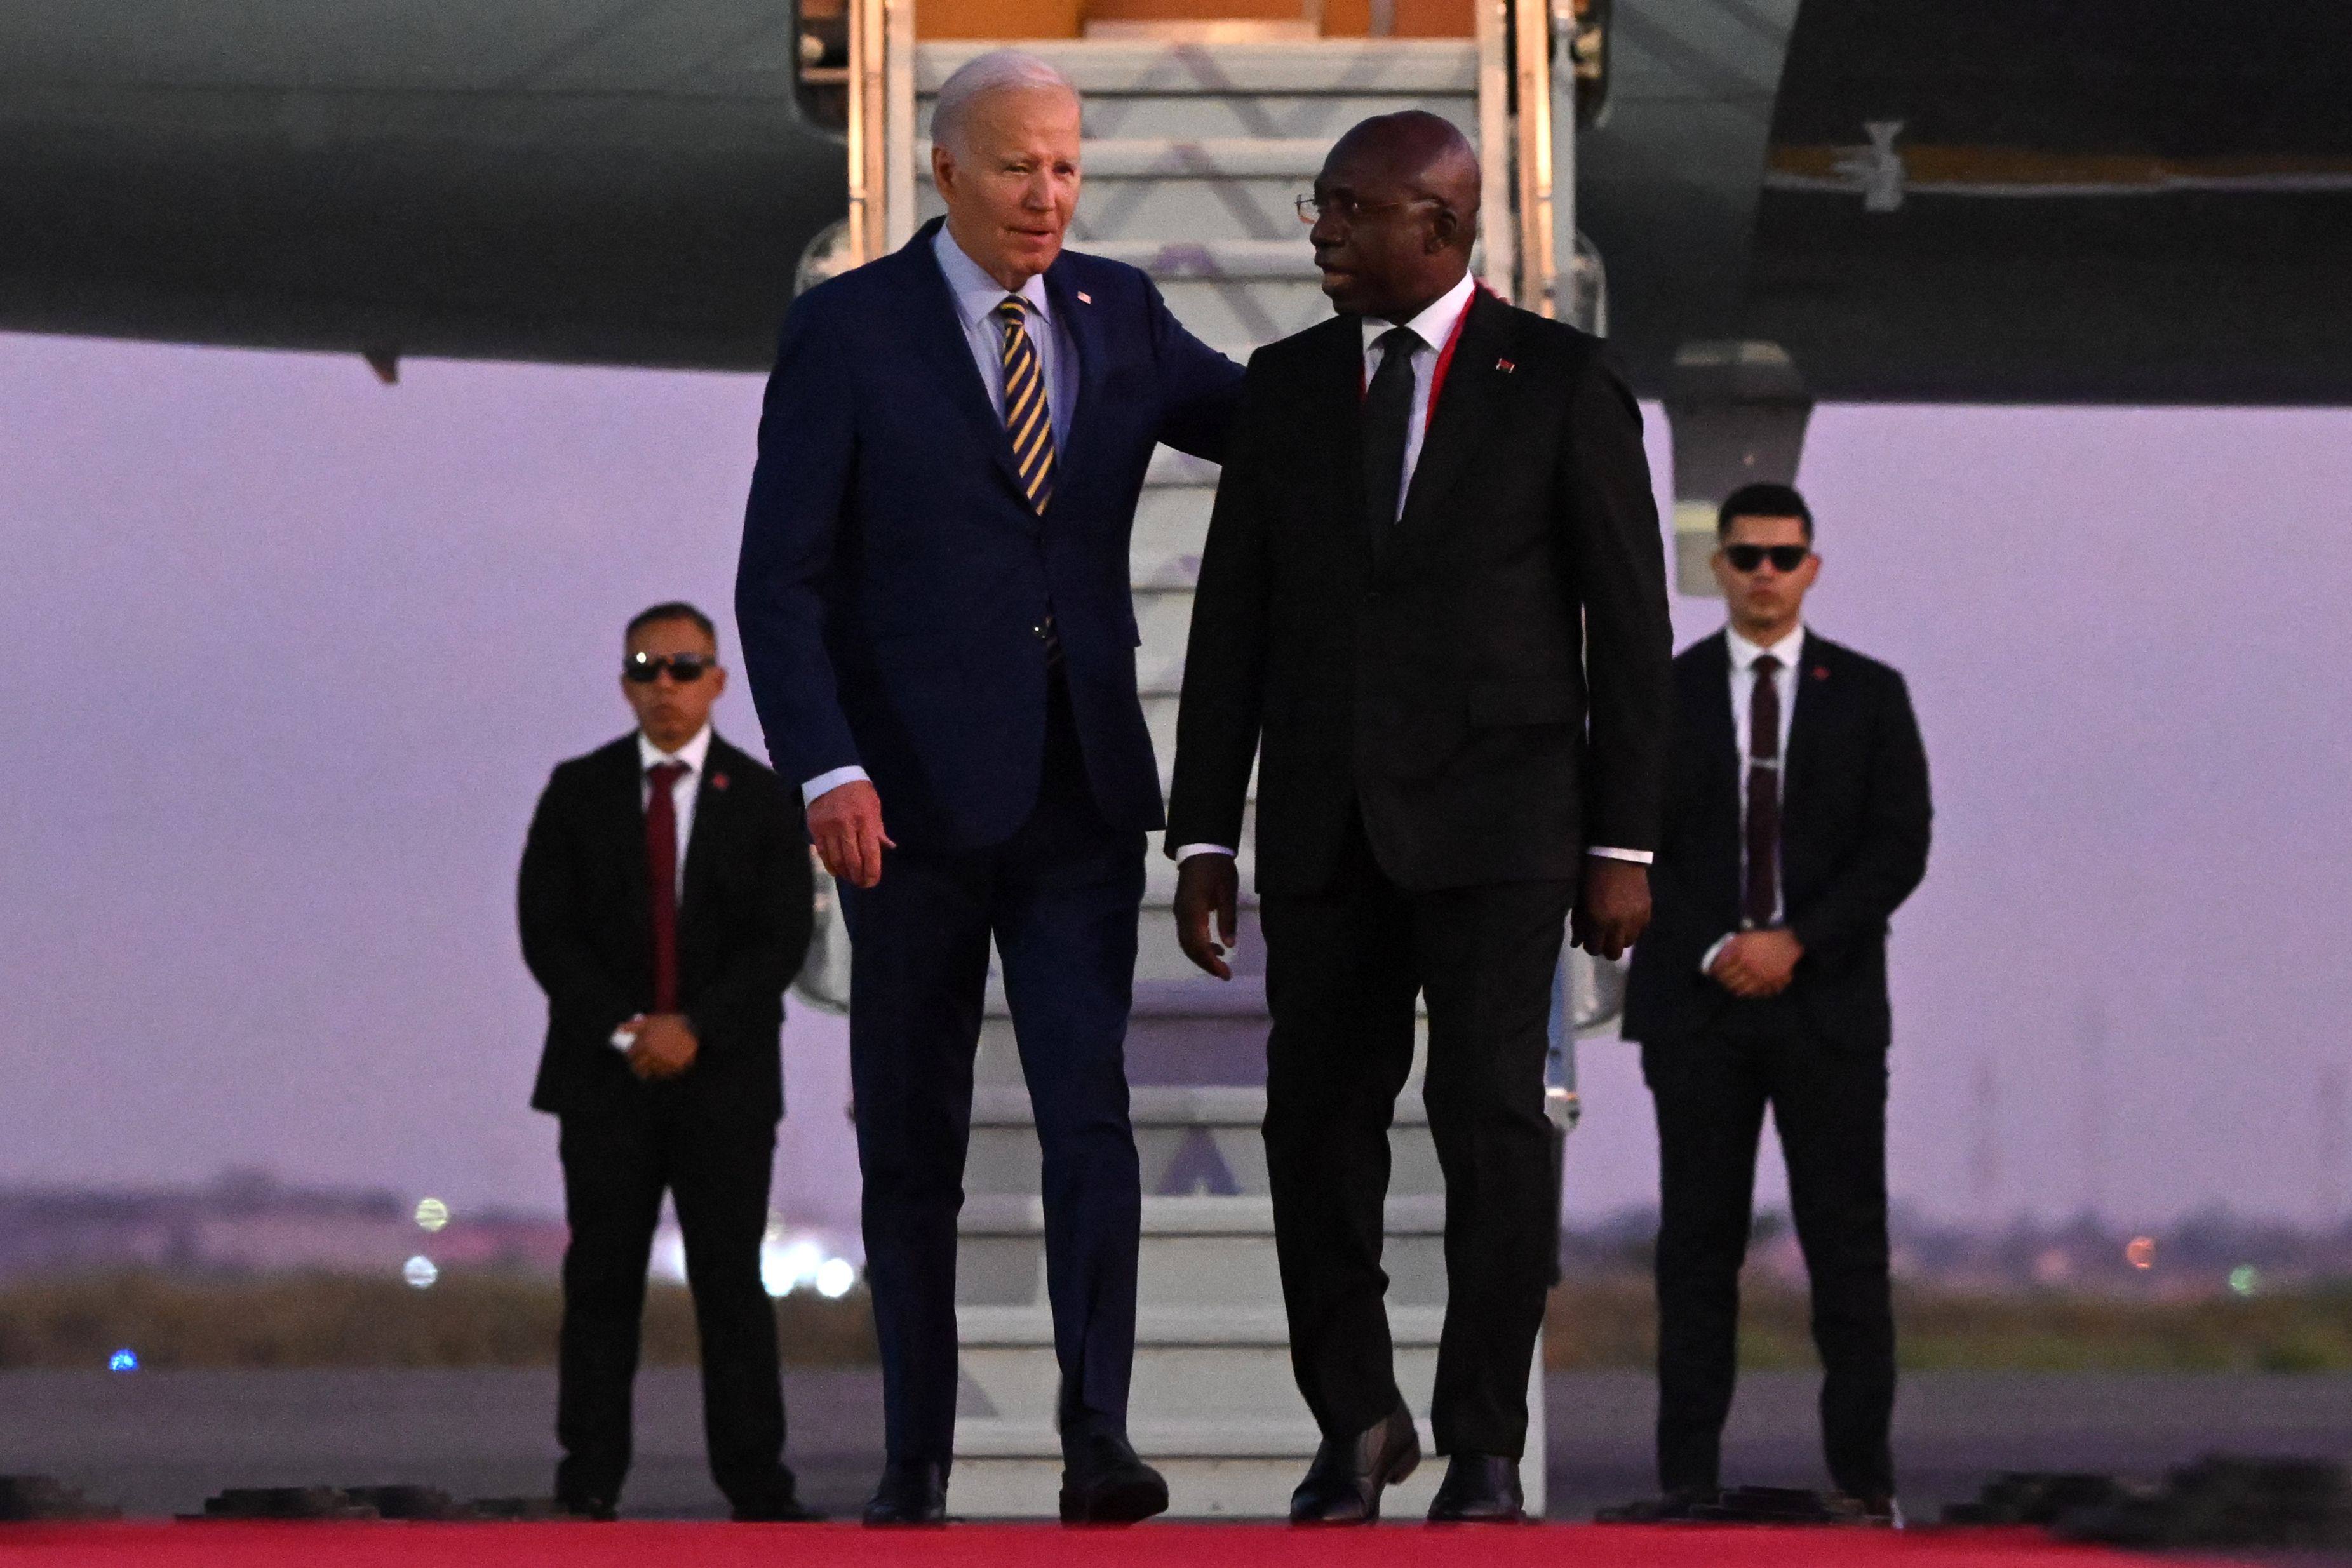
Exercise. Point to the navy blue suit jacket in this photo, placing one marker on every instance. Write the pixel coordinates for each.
(893, 577)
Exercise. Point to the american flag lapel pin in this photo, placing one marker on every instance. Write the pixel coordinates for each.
(718, 781)
(1820, 672)
(1505, 366)
(1085, 297)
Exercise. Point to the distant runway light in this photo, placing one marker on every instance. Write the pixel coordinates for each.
(2244, 1280)
(2141, 1253)
(419, 1272)
(834, 1278)
(123, 1360)
(431, 1214)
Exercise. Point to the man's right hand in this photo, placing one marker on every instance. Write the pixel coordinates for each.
(1207, 885)
(846, 823)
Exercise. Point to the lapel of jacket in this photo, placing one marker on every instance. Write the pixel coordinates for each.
(713, 811)
(1081, 326)
(621, 809)
(1465, 411)
(938, 338)
(1817, 686)
(1707, 728)
(1330, 414)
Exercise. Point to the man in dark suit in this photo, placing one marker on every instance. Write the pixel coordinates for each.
(1448, 654)
(1796, 823)
(665, 906)
(934, 600)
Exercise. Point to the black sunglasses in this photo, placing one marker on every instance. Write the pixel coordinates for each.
(684, 668)
(1784, 558)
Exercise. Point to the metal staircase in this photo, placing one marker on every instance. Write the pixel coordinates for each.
(1193, 156)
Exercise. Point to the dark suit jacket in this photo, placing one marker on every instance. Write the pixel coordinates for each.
(1853, 844)
(894, 576)
(587, 932)
(1489, 681)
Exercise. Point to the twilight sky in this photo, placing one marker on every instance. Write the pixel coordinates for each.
(294, 652)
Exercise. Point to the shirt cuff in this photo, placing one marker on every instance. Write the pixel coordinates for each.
(827, 783)
(623, 1036)
(1186, 851)
(1639, 857)
(1706, 960)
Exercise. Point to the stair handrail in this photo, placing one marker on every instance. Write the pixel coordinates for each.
(881, 127)
(1532, 156)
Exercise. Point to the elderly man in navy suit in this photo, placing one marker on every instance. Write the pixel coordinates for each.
(933, 598)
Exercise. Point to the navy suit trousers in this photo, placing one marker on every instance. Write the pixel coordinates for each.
(1060, 897)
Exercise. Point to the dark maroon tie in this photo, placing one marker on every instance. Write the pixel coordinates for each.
(1763, 796)
(661, 868)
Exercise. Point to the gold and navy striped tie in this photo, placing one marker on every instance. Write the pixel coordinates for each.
(1027, 414)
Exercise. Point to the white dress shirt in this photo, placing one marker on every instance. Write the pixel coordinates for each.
(976, 297)
(682, 796)
(1790, 652)
(683, 793)
(1435, 326)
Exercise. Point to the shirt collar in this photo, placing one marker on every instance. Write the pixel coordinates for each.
(1787, 649)
(977, 295)
(1433, 326)
(692, 753)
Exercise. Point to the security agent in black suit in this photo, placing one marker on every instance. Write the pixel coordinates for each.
(1796, 823)
(1448, 652)
(666, 902)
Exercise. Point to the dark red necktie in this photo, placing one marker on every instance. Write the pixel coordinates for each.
(661, 870)
(1763, 796)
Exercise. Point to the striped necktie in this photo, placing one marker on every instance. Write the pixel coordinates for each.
(1027, 417)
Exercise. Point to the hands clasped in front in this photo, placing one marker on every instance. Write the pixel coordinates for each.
(662, 1045)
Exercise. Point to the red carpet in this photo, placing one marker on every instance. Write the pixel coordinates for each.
(650, 1545)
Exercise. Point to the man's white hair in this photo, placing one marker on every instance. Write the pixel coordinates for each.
(998, 70)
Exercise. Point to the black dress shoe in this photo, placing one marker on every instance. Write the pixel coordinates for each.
(1103, 1482)
(1343, 1485)
(778, 1502)
(911, 1492)
(1480, 1489)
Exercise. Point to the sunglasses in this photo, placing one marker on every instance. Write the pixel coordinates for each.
(1784, 558)
(684, 668)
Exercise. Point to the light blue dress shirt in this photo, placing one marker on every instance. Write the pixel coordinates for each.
(977, 296)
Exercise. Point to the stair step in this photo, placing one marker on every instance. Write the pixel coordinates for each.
(1174, 1105)
(1180, 158)
(1008, 1214)
(1384, 67)
(1172, 1328)
(1289, 258)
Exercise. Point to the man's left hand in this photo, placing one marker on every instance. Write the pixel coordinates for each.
(1758, 963)
(1612, 908)
(665, 1046)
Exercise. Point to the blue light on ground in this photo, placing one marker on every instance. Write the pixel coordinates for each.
(123, 1360)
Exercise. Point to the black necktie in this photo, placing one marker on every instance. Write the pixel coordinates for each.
(1763, 797)
(1387, 416)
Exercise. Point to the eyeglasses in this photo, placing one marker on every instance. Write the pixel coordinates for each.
(1784, 558)
(684, 668)
(1347, 209)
